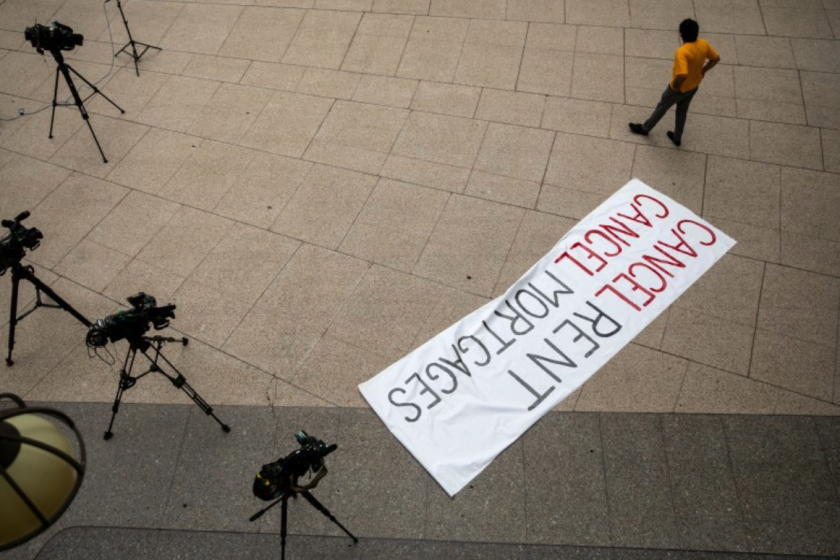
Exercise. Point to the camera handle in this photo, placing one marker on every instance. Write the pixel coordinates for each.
(143, 344)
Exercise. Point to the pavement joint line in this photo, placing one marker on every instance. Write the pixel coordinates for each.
(824, 447)
(682, 383)
(610, 529)
(332, 321)
(174, 473)
(668, 469)
(755, 333)
(262, 293)
(510, 249)
(350, 44)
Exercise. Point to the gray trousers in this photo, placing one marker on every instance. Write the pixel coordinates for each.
(669, 99)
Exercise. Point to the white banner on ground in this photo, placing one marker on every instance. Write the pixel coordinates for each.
(471, 391)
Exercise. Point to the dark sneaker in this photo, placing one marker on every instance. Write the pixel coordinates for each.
(637, 128)
(677, 143)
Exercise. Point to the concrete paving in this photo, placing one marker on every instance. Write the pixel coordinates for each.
(322, 185)
(94, 544)
(577, 485)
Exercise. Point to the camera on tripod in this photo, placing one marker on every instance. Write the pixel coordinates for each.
(54, 37)
(278, 481)
(278, 478)
(20, 238)
(130, 323)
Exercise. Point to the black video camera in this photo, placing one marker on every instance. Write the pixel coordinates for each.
(13, 246)
(130, 323)
(277, 478)
(55, 37)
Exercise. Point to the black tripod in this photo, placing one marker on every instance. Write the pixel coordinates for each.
(143, 344)
(64, 69)
(131, 42)
(21, 272)
(284, 501)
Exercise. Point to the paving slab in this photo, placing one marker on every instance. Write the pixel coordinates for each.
(262, 33)
(764, 462)
(709, 390)
(210, 492)
(566, 493)
(636, 471)
(638, 379)
(705, 501)
(116, 492)
(708, 340)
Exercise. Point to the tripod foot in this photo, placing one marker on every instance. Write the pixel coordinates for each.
(226, 428)
(9, 362)
(185, 341)
(107, 436)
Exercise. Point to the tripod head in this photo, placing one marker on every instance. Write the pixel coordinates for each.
(14, 245)
(131, 324)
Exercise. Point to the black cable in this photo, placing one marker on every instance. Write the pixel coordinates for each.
(93, 350)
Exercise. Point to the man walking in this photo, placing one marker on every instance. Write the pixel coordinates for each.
(689, 69)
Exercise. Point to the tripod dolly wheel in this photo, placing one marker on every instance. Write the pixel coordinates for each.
(226, 429)
(107, 436)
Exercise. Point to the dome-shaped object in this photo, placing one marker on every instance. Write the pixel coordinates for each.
(39, 475)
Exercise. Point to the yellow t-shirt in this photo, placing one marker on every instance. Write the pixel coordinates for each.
(689, 59)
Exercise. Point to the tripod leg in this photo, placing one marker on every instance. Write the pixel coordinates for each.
(180, 382)
(320, 507)
(55, 101)
(95, 89)
(284, 518)
(114, 410)
(126, 382)
(131, 42)
(95, 139)
(56, 298)
(65, 70)
(130, 39)
(135, 56)
(13, 319)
